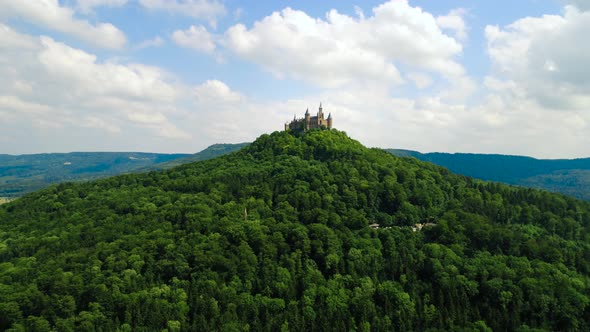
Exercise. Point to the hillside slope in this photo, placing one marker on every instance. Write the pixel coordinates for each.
(277, 237)
(566, 176)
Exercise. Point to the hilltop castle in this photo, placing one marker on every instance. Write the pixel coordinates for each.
(310, 122)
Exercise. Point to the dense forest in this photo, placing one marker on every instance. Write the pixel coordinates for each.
(566, 176)
(276, 237)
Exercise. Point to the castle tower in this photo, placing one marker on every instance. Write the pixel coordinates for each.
(330, 121)
(307, 119)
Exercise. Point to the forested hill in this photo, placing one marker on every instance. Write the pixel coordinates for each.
(276, 237)
(566, 176)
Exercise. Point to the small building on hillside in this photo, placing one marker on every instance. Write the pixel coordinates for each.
(418, 227)
(310, 122)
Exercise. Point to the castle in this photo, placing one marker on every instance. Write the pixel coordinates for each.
(310, 122)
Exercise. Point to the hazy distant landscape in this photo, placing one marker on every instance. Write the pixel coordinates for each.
(26, 173)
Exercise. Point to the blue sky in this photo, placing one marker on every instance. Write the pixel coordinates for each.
(178, 75)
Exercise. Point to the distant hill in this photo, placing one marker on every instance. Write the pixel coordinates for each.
(212, 151)
(566, 176)
(26, 173)
(23, 174)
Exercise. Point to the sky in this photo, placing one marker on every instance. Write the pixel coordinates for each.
(175, 76)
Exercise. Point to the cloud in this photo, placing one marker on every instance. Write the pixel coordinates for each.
(195, 37)
(87, 6)
(232, 117)
(341, 49)
(200, 9)
(16, 103)
(583, 5)
(87, 77)
(213, 91)
(454, 21)
(421, 80)
(154, 42)
(10, 39)
(54, 90)
(50, 15)
(545, 57)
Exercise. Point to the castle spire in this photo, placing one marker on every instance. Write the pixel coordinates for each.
(329, 115)
(320, 106)
(307, 111)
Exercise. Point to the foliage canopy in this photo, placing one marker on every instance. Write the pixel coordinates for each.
(276, 237)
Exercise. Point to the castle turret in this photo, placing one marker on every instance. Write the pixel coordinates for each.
(330, 120)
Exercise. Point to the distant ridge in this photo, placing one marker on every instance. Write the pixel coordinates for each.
(22, 174)
(212, 151)
(566, 176)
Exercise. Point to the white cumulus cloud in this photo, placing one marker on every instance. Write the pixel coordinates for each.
(341, 49)
(87, 77)
(195, 37)
(10, 39)
(51, 15)
(54, 90)
(455, 22)
(546, 57)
